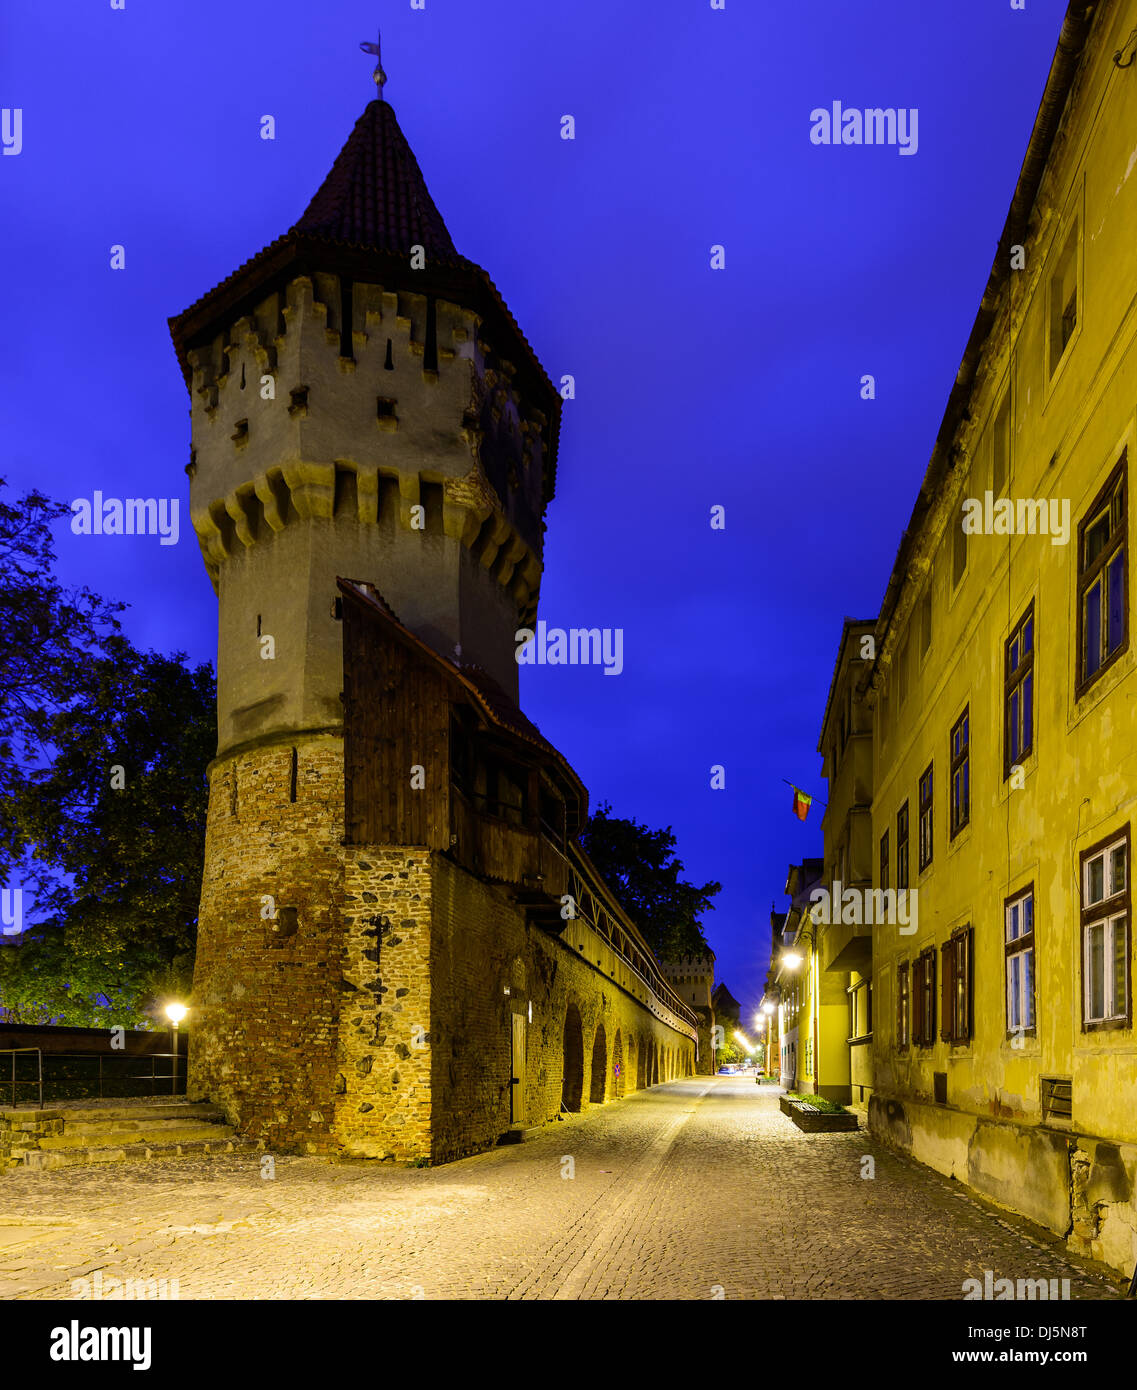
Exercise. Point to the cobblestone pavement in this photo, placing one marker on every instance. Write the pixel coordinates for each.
(697, 1189)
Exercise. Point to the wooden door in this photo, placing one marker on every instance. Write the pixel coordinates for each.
(517, 1080)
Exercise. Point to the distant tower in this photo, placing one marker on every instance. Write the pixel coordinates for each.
(693, 979)
(363, 405)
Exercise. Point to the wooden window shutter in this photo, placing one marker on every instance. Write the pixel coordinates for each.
(901, 973)
(970, 947)
(947, 990)
(916, 1000)
(930, 1021)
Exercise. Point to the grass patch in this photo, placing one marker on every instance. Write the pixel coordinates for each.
(827, 1107)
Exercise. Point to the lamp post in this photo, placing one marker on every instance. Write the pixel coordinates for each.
(792, 960)
(175, 1013)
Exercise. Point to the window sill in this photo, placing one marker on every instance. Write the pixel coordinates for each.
(1102, 686)
(1052, 381)
(1029, 765)
(960, 838)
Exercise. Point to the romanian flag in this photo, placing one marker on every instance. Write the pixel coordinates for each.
(802, 803)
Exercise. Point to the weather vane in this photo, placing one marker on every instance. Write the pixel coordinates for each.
(379, 77)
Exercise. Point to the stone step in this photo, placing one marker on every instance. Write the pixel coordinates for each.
(42, 1159)
(148, 1110)
(117, 1133)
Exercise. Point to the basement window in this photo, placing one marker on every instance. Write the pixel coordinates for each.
(939, 1087)
(1057, 1099)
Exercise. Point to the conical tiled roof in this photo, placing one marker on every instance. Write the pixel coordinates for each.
(376, 195)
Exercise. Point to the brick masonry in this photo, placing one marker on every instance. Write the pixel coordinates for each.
(373, 1014)
(266, 997)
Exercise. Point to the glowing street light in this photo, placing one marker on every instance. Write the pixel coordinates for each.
(791, 960)
(175, 1013)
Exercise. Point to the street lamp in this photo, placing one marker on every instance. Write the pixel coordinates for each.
(175, 1013)
(791, 960)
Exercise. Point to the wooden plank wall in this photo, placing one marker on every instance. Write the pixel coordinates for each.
(396, 715)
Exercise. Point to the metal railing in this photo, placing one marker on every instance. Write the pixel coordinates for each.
(39, 1071)
(92, 1074)
(595, 913)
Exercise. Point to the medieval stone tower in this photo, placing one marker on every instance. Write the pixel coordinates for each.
(362, 404)
(373, 450)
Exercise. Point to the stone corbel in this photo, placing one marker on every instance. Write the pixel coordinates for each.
(409, 497)
(499, 533)
(269, 501)
(235, 506)
(312, 487)
(367, 494)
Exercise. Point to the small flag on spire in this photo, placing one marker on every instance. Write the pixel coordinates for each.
(802, 803)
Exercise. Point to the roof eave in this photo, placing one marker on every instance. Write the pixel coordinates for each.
(1063, 69)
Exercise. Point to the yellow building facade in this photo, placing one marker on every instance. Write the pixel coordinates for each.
(842, 963)
(1003, 705)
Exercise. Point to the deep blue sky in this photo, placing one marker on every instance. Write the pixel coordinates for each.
(695, 387)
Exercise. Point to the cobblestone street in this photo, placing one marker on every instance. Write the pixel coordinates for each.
(698, 1189)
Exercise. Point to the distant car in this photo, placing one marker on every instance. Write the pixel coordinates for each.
(729, 1070)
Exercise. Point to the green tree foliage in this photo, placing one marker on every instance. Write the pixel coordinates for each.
(40, 982)
(102, 796)
(640, 867)
(121, 807)
(729, 1050)
(48, 635)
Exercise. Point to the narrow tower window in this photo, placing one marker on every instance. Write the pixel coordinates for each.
(430, 348)
(292, 779)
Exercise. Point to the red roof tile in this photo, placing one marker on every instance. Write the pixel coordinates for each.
(376, 195)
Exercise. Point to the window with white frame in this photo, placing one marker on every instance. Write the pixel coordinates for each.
(1105, 934)
(1018, 926)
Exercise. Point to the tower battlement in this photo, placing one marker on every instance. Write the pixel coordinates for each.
(415, 460)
